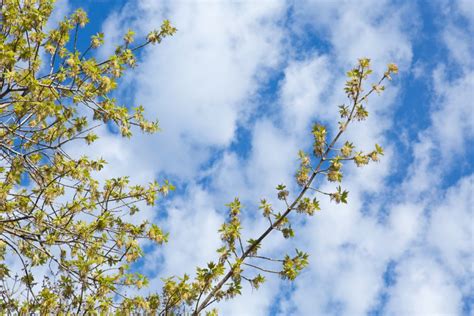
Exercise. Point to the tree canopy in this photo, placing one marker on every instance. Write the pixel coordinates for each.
(72, 233)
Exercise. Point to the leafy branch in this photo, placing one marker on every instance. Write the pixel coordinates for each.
(323, 151)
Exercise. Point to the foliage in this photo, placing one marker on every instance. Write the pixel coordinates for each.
(55, 215)
(54, 212)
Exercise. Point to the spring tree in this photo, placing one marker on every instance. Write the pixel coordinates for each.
(58, 219)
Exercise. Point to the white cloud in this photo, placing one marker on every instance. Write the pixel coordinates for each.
(200, 82)
(361, 29)
(272, 156)
(302, 88)
(450, 232)
(423, 288)
(459, 45)
(192, 222)
(61, 10)
(453, 121)
(466, 8)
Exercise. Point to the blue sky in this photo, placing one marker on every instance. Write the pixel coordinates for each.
(236, 91)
